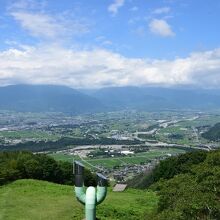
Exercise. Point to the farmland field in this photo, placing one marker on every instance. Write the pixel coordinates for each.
(138, 158)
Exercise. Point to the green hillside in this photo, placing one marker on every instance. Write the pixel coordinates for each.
(213, 134)
(188, 186)
(39, 200)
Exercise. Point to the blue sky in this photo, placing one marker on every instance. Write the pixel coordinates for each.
(96, 43)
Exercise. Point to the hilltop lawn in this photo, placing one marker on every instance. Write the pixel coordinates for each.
(40, 200)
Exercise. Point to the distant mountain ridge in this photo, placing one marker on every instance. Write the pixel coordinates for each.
(47, 98)
(153, 98)
(53, 98)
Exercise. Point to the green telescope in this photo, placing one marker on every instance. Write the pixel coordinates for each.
(92, 197)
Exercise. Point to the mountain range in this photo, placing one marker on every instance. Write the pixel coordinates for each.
(47, 98)
(53, 98)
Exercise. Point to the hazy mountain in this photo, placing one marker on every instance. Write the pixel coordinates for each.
(127, 98)
(41, 98)
(157, 98)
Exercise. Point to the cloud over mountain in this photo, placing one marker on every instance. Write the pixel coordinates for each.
(53, 64)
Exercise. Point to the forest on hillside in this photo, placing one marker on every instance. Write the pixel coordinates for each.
(213, 134)
(188, 186)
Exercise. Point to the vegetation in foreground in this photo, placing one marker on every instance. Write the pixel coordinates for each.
(40, 200)
(188, 186)
(182, 188)
(169, 168)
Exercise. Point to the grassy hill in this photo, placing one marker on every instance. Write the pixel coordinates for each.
(39, 200)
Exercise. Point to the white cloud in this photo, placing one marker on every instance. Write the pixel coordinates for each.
(47, 26)
(135, 8)
(31, 15)
(38, 24)
(53, 64)
(26, 4)
(161, 27)
(163, 10)
(114, 7)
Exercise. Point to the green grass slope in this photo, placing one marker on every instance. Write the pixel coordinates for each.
(39, 200)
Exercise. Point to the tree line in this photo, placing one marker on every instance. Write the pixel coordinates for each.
(64, 143)
(26, 165)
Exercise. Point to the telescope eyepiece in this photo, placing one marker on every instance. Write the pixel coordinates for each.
(79, 176)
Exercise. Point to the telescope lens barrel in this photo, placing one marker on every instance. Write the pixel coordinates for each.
(102, 180)
(79, 174)
(78, 168)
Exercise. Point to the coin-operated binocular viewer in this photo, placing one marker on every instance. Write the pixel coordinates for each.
(92, 197)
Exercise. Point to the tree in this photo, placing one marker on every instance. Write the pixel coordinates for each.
(192, 195)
